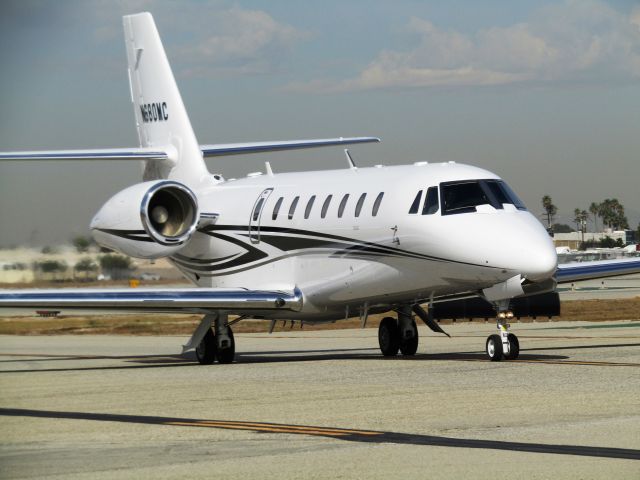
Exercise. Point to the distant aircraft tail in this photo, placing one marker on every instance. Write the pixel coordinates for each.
(161, 118)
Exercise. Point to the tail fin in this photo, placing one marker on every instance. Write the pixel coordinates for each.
(161, 118)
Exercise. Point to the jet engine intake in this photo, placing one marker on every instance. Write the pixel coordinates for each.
(147, 220)
(169, 213)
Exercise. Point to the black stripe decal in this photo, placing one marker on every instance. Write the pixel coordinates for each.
(252, 254)
(136, 235)
(202, 261)
(295, 243)
(390, 251)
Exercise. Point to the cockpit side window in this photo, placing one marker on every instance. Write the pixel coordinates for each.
(416, 203)
(431, 202)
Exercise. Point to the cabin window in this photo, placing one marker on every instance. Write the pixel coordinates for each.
(343, 204)
(256, 211)
(276, 208)
(325, 206)
(431, 202)
(360, 203)
(293, 206)
(416, 203)
(376, 204)
(307, 211)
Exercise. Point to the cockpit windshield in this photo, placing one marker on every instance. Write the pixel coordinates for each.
(464, 196)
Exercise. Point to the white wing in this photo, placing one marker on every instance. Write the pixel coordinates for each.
(572, 272)
(167, 300)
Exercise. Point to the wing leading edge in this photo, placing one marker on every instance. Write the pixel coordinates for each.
(573, 272)
(176, 300)
(276, 146)
(161, 153)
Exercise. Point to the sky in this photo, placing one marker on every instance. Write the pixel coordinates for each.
(544, 93)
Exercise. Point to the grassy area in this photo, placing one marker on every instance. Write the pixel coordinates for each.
(155, 324)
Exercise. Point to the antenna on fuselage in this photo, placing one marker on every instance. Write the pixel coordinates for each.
(267, 166)
(352, 164)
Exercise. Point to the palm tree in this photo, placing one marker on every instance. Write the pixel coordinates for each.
(577, 218)
(549, 208)
(612, 213)
(594, 209)
(606, 212)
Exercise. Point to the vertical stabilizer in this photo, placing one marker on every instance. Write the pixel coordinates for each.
(161, 119)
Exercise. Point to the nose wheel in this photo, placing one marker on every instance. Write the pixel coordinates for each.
(504, 346)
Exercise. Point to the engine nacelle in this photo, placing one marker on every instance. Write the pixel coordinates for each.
(147, 220)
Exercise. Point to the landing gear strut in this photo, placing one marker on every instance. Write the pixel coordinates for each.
(408, 331)
(210, 346)
(226, 345)
(505, 345)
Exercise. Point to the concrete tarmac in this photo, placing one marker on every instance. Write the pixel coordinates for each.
(626, 286)
(325, 404)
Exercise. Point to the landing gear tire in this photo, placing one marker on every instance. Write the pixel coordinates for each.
(206, 349)
(389, 337)
(226, 355)
(409, 346)
(514, 347)
(494, 348)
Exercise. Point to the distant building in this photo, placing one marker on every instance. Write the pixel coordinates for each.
(574, 239)
(15, 272)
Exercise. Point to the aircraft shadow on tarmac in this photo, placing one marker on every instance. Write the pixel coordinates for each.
(188, 359)
(343, 434)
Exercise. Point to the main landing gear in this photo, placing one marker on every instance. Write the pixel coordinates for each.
(398, 335)
(505, 345)
(210, 348)
(215, 343)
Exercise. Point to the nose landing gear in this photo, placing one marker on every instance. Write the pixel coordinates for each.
(505, 345)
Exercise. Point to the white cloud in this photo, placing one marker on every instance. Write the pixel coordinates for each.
(576, 40)
(208, 37)
(240, 41)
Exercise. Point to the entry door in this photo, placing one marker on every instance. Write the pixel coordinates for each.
(256, 215)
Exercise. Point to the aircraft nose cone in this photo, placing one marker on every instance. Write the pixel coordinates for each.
(542, 264)
(538, 257)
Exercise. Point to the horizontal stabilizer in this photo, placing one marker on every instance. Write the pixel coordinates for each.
(160, 153)
(167, 300)
(94, 154)
(275, 146)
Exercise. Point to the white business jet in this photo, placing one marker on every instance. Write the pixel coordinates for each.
(309, 246)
